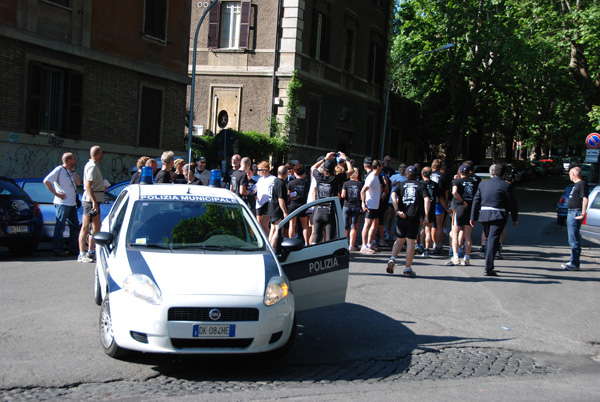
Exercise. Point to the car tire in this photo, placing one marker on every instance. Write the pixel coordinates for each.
(97, 290)
(107, 339)
(24, 250)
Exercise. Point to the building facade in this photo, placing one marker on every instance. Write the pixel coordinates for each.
(248, 50)
(77, 73)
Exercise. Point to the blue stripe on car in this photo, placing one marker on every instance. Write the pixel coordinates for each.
(138, 266)
(271, 269)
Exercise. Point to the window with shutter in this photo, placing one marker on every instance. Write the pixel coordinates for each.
(150, 117)
(320, 37)
(229, 25)
(54, 98)
(155, 19)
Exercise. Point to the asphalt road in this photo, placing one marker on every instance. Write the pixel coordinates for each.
(533, 333)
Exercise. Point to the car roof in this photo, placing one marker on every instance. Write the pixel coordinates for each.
(169, 191)
(29, 180)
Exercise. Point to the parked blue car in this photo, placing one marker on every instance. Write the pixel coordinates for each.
(38, 191)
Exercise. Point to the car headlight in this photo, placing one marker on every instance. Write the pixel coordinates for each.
(143, 288)
(277, 290)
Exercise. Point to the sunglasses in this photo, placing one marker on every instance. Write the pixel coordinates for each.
(261, 170)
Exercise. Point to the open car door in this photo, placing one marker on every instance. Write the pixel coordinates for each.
(318, 273)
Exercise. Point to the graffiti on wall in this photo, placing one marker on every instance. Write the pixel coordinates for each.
(19, 160)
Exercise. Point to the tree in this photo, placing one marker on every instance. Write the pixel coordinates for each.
(521, 71)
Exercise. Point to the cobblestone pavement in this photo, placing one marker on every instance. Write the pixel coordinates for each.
(444, 364)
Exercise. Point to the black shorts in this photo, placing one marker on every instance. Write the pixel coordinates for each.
(372, 214)
(262, 210)
(461, 215)
(408, 227)
(383, 207)
(87, 209)
(294, 207)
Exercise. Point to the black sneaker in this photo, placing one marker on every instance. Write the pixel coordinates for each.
(409, 273)
(491, 272)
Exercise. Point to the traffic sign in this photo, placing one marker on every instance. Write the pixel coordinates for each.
(593, 141)
(591, 155)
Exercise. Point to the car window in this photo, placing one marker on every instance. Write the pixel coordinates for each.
(118, 221)
(596, 202)
(8, 189)
(38, 192)
(179, 224)
(115, 207)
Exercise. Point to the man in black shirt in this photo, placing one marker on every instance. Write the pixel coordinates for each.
(577, 205)
(164, 175)
(440, 209)
(463, 191)
(412, 204)
(239, 179)
(278, 204)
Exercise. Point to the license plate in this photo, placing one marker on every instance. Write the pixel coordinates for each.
(18, 229)
(213, 331)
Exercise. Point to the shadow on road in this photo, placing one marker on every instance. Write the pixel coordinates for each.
(330, 341)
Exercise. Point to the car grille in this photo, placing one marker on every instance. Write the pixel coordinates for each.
(243, 343)
(201, 314)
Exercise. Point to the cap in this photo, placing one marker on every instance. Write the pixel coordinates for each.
(329, 165)
(320, 158)
(464, 169)
(411, 169)
(201, 159)
(368, 160)
(294, 161)
(178, 162)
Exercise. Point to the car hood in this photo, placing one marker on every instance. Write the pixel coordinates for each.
(207, 274)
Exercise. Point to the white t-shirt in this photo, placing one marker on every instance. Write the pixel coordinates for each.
(373, 193)
(64, 183)
(395, 180)
(264, 187)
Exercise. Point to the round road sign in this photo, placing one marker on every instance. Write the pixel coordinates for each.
(593, 141)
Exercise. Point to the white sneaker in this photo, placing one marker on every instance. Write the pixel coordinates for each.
(84, 258)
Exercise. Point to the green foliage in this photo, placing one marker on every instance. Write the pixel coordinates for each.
(594, 116)
(255, 145)
(281, 129)
(511, 75)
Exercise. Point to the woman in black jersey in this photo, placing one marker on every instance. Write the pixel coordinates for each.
(297, 194)
(352, 207)
(329, 184)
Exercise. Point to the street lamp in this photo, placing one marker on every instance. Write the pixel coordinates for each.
(387, 100)
(191, 122)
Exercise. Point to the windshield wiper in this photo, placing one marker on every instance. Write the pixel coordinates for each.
(152, 245)
(210, 247)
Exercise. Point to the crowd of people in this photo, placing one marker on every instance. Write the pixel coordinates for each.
(407, 208)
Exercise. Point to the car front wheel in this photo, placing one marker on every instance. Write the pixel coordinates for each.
(107, 338)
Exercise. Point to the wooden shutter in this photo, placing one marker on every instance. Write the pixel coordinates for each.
(245, 24)
(325, 39)
(150, 117)
(214, 19)
(73, 106)
(34, 98)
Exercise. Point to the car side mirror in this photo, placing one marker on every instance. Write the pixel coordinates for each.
(287, 246)
(103, 238)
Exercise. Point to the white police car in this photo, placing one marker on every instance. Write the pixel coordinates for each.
(187, 269)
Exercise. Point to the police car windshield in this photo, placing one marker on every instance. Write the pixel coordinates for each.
(192, 225)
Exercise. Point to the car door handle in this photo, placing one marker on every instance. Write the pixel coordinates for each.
(341, 252)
